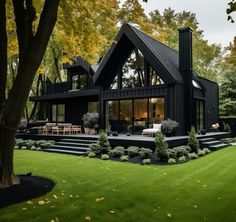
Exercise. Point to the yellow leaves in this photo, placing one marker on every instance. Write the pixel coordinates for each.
(112, 211)
(56, 219)
(29, 202)
(99, 199)
(55, 196)
(169, 215)
(41, 202)
(88, 218)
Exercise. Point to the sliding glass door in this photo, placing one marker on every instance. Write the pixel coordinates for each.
(134, 115)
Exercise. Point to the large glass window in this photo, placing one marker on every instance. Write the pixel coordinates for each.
(58, 112)
(140, 115)
(93, 107)
(156, 110)
(133, 115)
(125, 115)
(154, 78)
(133, 70)
(199, 115)
(112, 114)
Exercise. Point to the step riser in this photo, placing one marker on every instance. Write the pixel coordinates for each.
(210, 144)
(80, 149)
(213, 148)
(72, 144)
(206, 140)
(64, 152)
(78, 141)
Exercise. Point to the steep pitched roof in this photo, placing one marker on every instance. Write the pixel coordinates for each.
(161, 57)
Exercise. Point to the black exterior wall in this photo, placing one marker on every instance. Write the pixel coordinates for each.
(211, 102)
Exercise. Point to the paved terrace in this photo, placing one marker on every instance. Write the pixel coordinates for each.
(123, 140)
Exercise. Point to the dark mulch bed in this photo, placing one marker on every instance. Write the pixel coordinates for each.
(138, 159)
(30, 187)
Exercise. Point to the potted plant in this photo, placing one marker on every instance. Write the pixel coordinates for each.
(90, 122)
(168, 126)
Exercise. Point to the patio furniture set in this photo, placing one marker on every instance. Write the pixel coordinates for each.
(61, 128)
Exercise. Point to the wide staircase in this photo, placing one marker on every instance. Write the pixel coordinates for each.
(71, 146)
(212, 143)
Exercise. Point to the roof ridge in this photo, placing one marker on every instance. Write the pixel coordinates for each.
(152, 38)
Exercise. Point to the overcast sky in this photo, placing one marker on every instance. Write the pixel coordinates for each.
(210, 14)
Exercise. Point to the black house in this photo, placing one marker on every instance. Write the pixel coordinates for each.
(139, 81)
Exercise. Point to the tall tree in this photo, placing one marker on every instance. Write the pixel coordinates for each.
(32, 43)
(228, 82)
(206, 57)
(231, 8)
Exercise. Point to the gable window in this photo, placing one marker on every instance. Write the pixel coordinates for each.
(133, 70)
(58, 112)
(114, 84)
(154, 78)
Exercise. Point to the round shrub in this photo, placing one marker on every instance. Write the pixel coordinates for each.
(33, 147)
(193, 156)
(172, 153)
(91, 154)
(118, 151)
(105, 157)
(180, 151)
(16, 147)
(124, 158)
(133, 151)
(201, 153)
(206, 150)
(95, 148)
(145, 153)
(182, 159)
(146, 161)
(38, 148)
(24, 147)
(171, 161)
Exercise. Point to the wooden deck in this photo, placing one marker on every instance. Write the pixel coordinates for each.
(123, 140)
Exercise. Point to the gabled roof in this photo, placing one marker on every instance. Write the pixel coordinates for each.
(162, 58)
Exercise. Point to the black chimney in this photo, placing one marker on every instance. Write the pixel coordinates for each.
(185, 67)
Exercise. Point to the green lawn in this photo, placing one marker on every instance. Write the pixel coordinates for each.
(200, 190)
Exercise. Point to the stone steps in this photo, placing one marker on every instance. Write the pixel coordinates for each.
(212, 144)
(71, 146)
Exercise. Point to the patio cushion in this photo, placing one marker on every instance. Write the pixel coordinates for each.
(157, 126)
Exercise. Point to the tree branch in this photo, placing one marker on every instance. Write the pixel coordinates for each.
(3, 53)
(25, 14)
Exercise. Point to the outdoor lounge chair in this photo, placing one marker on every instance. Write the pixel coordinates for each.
(152, 131)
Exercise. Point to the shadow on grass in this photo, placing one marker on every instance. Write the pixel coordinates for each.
(30, 187)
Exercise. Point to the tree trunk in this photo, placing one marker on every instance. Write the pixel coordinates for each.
(31, 50)
(7, 140)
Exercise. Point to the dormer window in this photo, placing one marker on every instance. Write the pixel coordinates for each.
(79, 82)
(75, 82)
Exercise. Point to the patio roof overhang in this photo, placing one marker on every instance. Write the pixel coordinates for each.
(70, 94)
